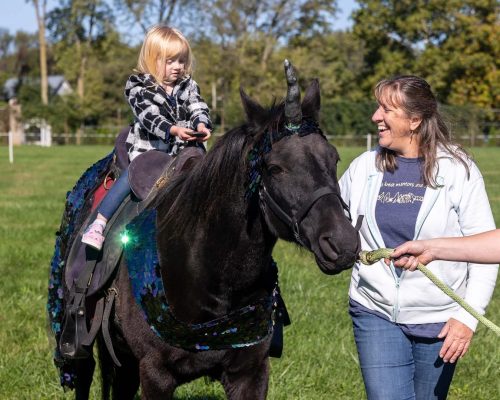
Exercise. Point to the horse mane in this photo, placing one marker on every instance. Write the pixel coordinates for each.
(221, 173)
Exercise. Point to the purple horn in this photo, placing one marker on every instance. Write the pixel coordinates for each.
(293, 111)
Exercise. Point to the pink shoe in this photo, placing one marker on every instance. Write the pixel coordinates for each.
(93, 236)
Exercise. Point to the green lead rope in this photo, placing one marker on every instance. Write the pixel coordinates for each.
(371, 257)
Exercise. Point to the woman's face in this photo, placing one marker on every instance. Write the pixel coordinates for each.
(395, 129)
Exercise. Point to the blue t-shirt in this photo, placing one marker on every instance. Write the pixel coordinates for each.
(398, 203)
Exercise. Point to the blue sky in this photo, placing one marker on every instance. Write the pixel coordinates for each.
(20, 15)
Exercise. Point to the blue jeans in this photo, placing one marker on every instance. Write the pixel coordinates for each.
(396, 366)
(115, 196)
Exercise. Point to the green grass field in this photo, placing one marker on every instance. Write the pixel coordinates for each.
(319, 360)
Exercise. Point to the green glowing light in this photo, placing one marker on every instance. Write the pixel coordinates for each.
(124, 238)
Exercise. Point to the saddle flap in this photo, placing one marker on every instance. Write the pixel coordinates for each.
(109, 257)
(145, 170)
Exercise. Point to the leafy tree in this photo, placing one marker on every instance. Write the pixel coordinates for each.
(272, 22)
(25, 55)
(6, 40)
(453, 44)
(79, 26)
(146, 13)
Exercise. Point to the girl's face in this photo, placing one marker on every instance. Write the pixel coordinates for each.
(395, 129)
(173, 69)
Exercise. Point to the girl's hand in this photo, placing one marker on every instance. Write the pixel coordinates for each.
(203, 129)
(181, 133)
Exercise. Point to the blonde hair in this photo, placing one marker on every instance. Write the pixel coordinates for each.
(163, 43)
(414, 96)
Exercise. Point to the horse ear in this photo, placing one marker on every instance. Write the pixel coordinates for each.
(312, 101)
(255, 113)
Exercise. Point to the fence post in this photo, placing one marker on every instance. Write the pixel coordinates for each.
(11, 148)
(45, 134)
(15, 125)
(368, 142)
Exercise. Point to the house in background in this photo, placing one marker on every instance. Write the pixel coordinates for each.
(37, 130)
(58, 86)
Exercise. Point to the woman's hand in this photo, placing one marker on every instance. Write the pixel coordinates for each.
(457, 342)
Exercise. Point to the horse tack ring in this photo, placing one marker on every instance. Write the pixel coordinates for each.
(162, 180)
(105, 183)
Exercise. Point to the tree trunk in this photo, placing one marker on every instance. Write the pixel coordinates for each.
(40, 17)
(268, 49)
(81, 85)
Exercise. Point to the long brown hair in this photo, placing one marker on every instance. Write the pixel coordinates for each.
(414, 96)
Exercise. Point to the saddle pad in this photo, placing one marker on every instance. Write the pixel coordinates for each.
(77, 204)
(244, 327)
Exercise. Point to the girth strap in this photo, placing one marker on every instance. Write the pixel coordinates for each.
(96, 323)
(110, 299)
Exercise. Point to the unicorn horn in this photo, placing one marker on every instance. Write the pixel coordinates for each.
(293, 112)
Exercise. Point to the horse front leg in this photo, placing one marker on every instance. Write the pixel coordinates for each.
(156, 381)
(247, 384)
(85, 372)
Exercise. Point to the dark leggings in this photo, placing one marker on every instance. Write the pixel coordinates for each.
(115, 196)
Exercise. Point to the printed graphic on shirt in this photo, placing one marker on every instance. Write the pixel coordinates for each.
(401, 192)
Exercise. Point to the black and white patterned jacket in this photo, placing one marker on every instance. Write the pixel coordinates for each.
(155, 114)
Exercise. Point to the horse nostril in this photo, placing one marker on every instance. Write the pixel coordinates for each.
(328, 248)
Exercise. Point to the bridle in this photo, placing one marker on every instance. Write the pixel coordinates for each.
(296, 218)
(294, 124)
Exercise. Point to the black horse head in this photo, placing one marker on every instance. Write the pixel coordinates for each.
(294, 170)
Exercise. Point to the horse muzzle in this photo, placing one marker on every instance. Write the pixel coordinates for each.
(330, 259)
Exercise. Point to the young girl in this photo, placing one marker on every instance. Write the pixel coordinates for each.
(167, 107)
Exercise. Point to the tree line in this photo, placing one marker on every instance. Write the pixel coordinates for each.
(242, 43)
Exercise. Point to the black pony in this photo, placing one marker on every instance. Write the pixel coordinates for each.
(274, 177)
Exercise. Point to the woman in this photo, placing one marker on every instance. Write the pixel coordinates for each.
(416, 185)
(480, 248)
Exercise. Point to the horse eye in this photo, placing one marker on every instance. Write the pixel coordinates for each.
(274, 169)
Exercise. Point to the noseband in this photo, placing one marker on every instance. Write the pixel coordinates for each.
(295, 220)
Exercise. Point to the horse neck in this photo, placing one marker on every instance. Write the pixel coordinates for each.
(219, 266)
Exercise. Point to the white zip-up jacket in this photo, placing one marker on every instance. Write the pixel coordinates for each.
(459, 207)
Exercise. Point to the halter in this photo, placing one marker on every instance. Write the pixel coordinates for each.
(295, 219)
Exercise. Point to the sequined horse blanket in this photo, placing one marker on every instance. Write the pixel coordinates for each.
(243, 327)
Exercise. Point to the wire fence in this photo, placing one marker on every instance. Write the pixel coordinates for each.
(355, 140)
